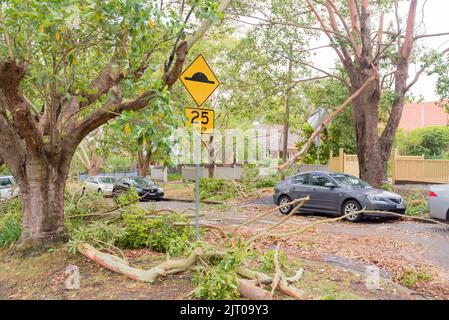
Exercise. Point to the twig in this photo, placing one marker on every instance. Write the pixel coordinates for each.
(266, 213)
(292, 232)
(257, 236)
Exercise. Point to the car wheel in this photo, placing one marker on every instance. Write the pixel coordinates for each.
(99, 191)
(284, 200)
(352, 206)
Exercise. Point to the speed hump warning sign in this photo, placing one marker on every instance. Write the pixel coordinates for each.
(199, 80)
(198, 116)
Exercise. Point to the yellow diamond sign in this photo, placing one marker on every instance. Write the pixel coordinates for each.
(199, 80)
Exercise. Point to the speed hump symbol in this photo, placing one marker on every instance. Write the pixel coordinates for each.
(199, 80)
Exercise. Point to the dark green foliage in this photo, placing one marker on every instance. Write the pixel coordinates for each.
(158, 234)
(219, 282)
(10, 222)
(432, 142)
(217, 189)
(268, 260)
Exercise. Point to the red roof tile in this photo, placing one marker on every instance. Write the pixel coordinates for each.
(422, 115)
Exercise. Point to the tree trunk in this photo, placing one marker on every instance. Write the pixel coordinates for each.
(42, 193)
(143, 163)
(372, 162)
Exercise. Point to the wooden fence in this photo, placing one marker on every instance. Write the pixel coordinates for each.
(346, 163)
(414, 169)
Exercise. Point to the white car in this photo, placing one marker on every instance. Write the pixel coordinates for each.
(101, 184)
(439, 201)
(8, 187)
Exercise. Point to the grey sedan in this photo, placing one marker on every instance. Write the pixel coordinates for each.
(337, 194)
(439, 201)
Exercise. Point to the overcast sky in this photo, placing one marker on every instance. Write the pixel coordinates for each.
(436, 19)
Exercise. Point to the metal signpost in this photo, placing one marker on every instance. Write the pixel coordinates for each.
(200, 82)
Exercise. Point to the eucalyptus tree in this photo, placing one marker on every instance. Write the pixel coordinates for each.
(375, 45)
(67, 68)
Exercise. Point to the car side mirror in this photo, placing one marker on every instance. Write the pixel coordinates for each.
(329, 185)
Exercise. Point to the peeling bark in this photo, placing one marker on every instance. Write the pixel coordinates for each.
(110, 262)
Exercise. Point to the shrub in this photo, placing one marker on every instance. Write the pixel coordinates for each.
(158, 234)
(268, 260)
(416, 203)
(410, 277)
(387, 187)
(127, 197)
(10, 222)
(219, 282)
(78, 204)
(432, 142)
(218, 189)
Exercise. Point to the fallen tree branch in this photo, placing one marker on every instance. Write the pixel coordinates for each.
(114, 264)
(280, 281)
(301, 154)
(294, 202)
(278, 271)
(260, 277)
(296, 209)
(405, 217)
(314, 224)
(204, 225)
(251, 291)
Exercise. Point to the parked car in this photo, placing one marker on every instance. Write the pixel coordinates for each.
(439, 201)
(146, 188)
(99, 184)
(337, 194)
(8, 187)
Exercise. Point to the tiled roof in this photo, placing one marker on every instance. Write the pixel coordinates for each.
(422, 115)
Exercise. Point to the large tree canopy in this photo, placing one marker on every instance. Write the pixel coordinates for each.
(68, 67)
(375, 42)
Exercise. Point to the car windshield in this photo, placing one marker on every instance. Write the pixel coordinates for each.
(141, 181)
(106, 180)
(5, 183)
(350, 181)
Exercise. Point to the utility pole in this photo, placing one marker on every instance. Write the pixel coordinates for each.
(287, 110)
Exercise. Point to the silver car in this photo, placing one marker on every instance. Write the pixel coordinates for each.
(337, 194)
(8, 187)
(439, 201)
(101, 184)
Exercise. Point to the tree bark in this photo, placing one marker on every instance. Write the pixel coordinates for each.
(38, 146)
(143, 163)
(372, 163)
(42, 194)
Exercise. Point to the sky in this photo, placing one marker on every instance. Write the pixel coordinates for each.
(435, 20)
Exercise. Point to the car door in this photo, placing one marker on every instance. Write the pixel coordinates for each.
(323, 198)
(91, 184)
(301, 188)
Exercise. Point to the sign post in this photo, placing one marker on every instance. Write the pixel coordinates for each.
(200, 81)
(197, 133)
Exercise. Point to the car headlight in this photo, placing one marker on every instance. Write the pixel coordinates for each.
(375, 197)
(159, 189)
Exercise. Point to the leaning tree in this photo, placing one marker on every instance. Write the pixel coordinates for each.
(68, 67)
(375, 46)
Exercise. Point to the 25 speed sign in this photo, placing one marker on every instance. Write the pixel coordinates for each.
(199, 116)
